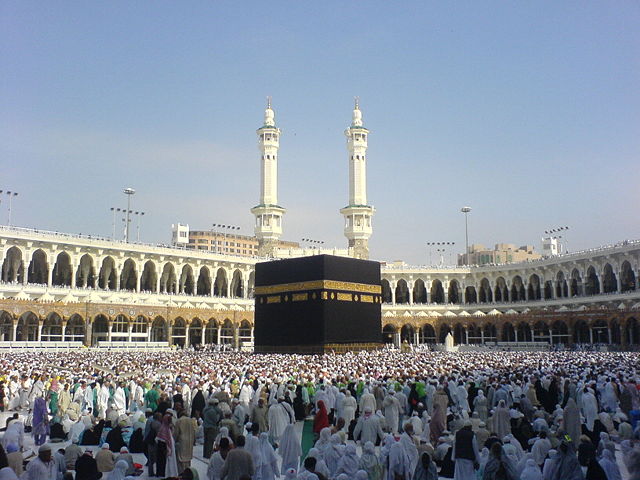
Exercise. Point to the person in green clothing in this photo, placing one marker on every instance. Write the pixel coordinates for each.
(151, 398)
(53, 402)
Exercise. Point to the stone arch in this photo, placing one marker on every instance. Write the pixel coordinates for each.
(226, 332)
(437, 292)
(508, 333)
(459, 334)
(195, 332)
(62, 270)
(445, 330)
(75, 329)
(633, 331)
(560, 332)
(616, 332)
(388, 332)
(524, 332)
(485, 294)
(474, 333)
(428, 334)
(252, 284)
(627, 277)
(533, 290)
(501, 292)
(179, 332)
(575, 287)
(13, 266)
(129, 276)
(6, 326)
(187, 282)
(27, 330)
(386, 291)
(99, 329)
(149, 278)
(107, 278)
(203, 285)
(419, 292)
(402, 292)
(139, 328)
(38, 271)
(236, 284)
(120, 328)
(159, 330)
(470, 294)
(517, 289)
(490, 333)
(221, 284)
(51, 328)
(244, 332)
(407, 334)
(581, 332)
(86, 273)
(211, 332)
(541, 331)
(168, 279)
(609, 280)
(591, 283)
(600, 331)
(454, 292)
(562, 288)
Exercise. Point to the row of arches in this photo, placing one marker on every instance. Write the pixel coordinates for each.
(516, 290)
(28, 327)
(151, 276)
(611, 331)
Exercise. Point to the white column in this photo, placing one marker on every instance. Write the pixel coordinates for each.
(466, 335)
(39, 331)
(410, 288)
(516, 334)
(15, 330)
(482, 335)
(219, 333)
(591, 335)
(609, 334)
(129, 331)
(109, 331)
(392, 287)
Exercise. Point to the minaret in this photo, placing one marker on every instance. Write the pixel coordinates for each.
(357, 214)
(268, 213)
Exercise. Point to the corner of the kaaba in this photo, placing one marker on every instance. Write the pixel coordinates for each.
(317, 304)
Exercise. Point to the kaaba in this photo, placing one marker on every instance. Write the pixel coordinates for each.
(317, 304)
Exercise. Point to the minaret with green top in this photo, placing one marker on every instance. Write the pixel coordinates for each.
(268, 213)
(358, 213)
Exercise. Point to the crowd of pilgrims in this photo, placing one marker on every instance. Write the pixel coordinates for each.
(383, 415)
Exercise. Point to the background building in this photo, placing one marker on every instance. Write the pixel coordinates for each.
(220, 242)
(502, 253)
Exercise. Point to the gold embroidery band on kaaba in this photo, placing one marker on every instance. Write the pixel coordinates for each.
(318, 285)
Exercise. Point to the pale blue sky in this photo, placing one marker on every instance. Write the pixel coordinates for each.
(527, 111)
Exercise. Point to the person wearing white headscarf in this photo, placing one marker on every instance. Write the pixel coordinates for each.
(290, 449)
(531, 471)
(501, 420)
(252, 445)
(14, 435)
(332, 454)
(323, 440)
(269, 461)
(349, 462)
(362, 475)
(589, 408)
(480, 406)
(370, 462)
(119, 471)
(609, 465)
(571, 421)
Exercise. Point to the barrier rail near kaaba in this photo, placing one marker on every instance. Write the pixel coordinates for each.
(317, 304)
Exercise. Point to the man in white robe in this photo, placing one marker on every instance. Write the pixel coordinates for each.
(279, 417)
(120, 400)
(589, 408)
(391, 408)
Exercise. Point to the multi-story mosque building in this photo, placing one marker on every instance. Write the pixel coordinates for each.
(69, 291)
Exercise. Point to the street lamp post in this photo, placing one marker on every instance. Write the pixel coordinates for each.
(128, 191)
(139, 215)
(466, 211)
(224, 228)
(114, 210)
(442, 246)
(11, 195)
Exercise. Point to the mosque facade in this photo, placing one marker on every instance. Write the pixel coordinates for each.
(69, 291)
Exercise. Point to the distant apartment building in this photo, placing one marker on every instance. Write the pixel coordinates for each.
(502, 253)
(219, 242)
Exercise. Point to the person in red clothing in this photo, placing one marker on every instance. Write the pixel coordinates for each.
(321, 420)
